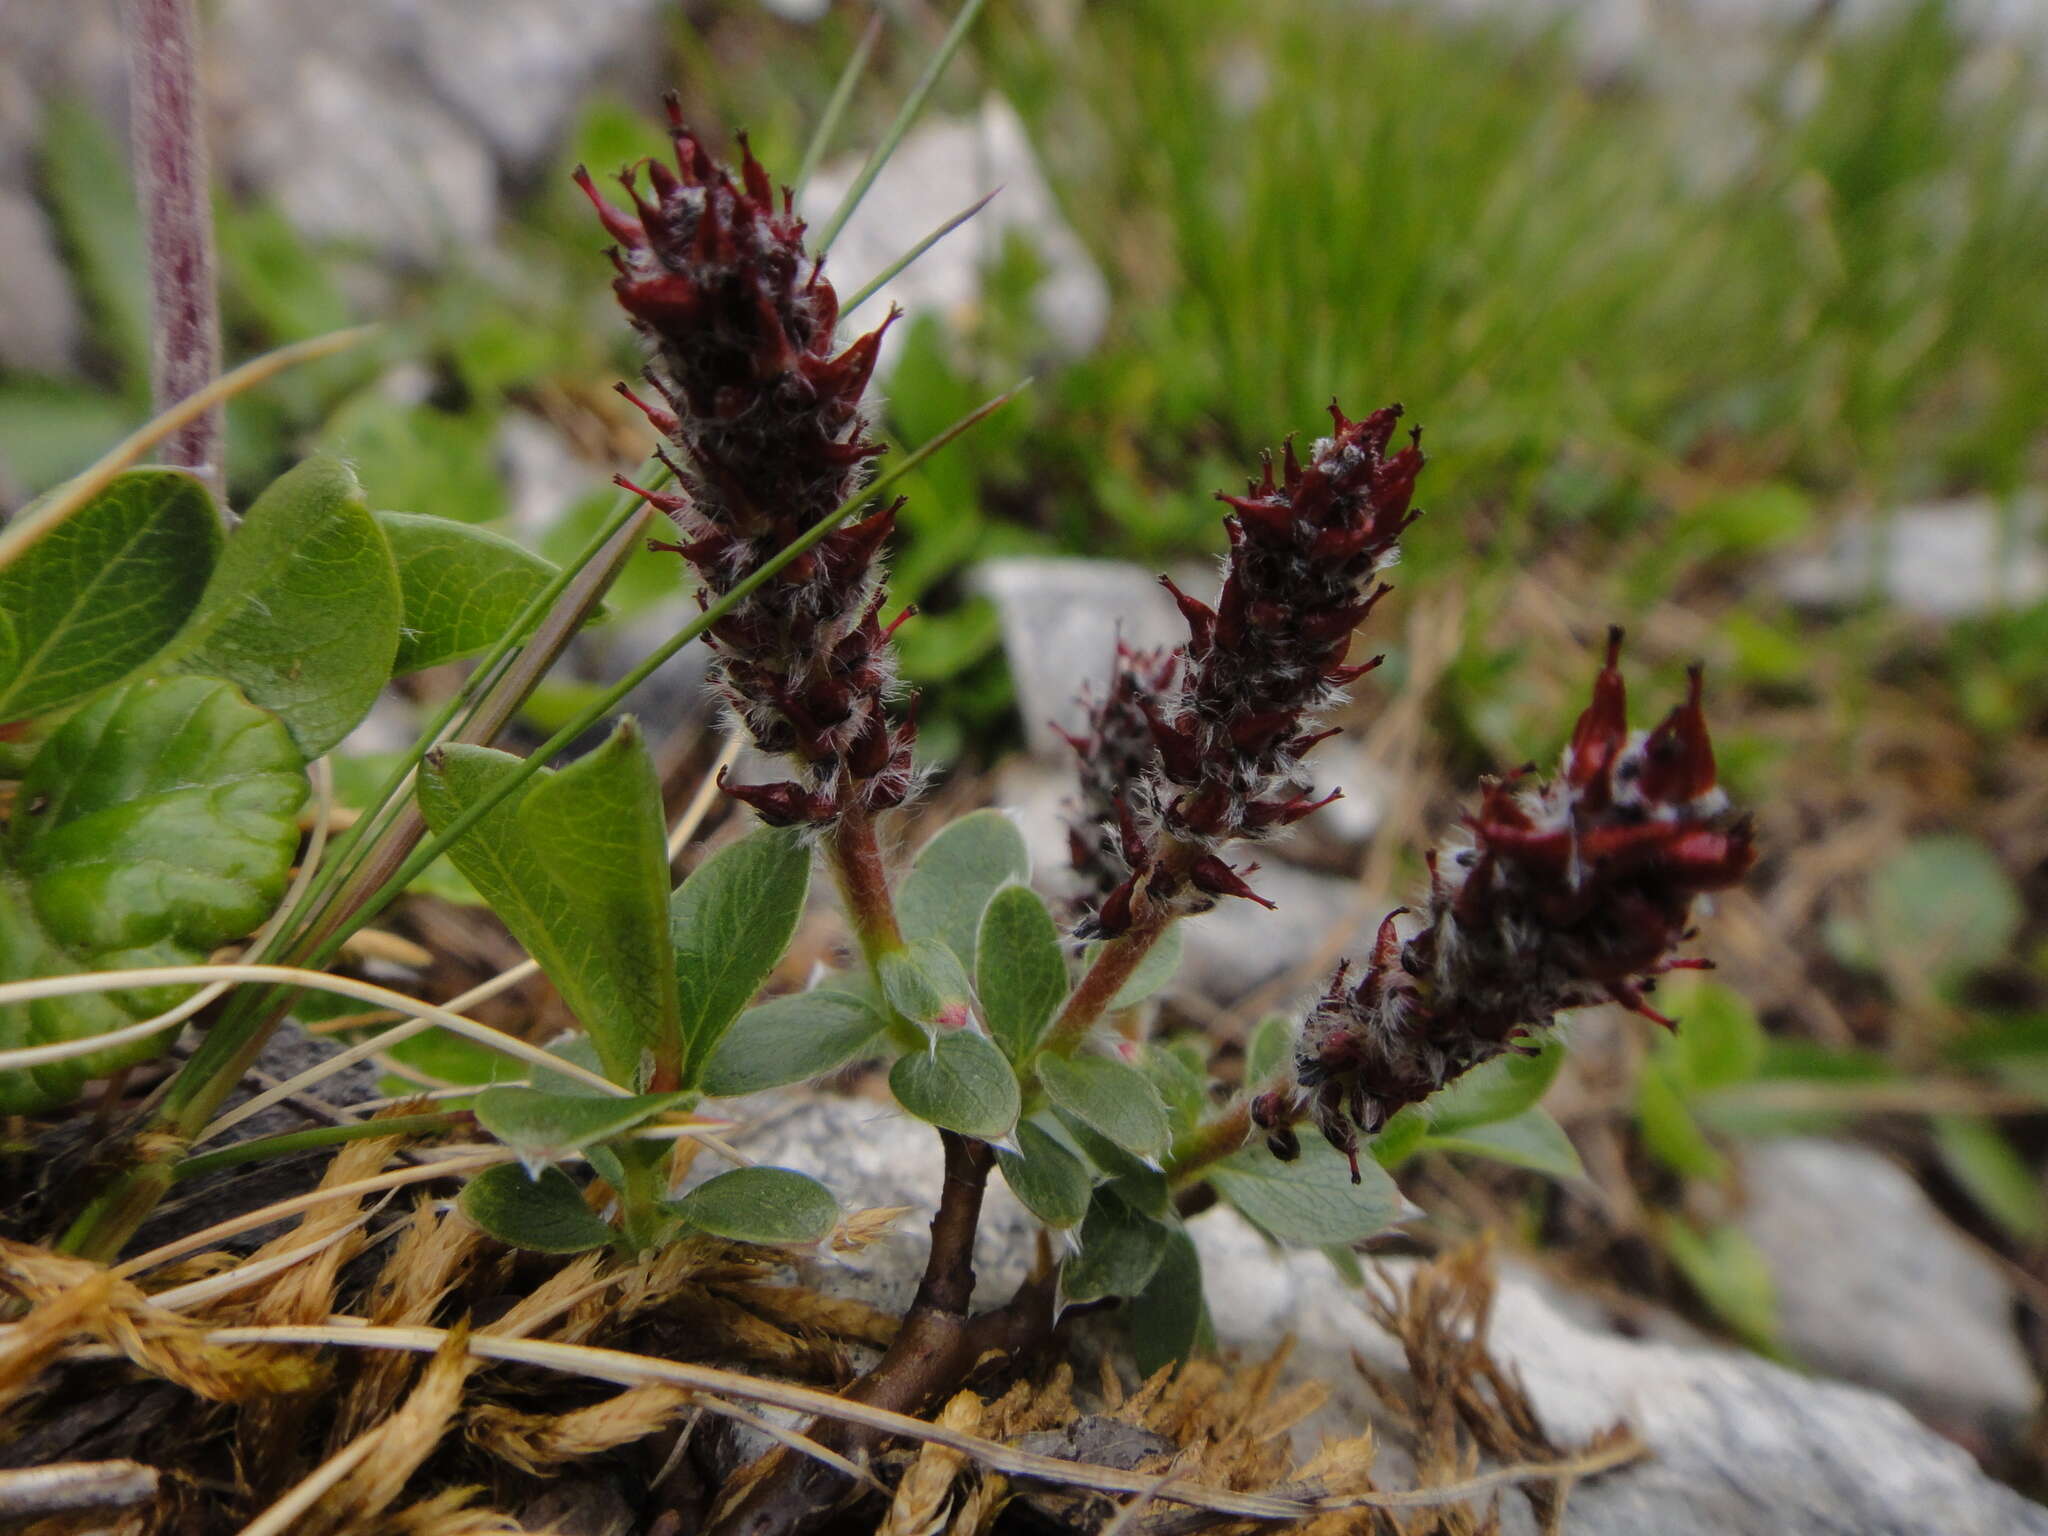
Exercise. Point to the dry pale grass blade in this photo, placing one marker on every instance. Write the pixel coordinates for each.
(392, 948)
(1126, 1518)
(862, 1229)
(1460, 1401)
(626, 1369)
(450, 1513)
(433, 1255)
(1230, 1424)
(983, 1501)
(538, 1443)
(924, 1496)
(706, 796)
(263, 1216)
(38, 520)
(71, 1296)
(27, 1346)
(269, 1432)
(554, 1297)
(840, 1317)
(28, 1493)
(306, 1294)
(792, 1440)
(754, 1338)
(199, 1293)
(424, 1016)
(283, 1517)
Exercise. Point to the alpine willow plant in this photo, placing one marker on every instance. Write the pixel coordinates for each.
(163, 763)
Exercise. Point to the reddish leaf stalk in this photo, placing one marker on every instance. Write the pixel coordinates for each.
(855, 857)
(1196, 1150)
(1115, 965)
(169, 140)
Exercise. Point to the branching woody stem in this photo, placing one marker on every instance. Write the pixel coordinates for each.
(938, 1347)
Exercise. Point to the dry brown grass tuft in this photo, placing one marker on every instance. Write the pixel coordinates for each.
(428, 1262)
(1197, 1448)
(925, 1495)
(72, 1297)
(538, 1443)
(398, 1448)
(1457, 1402)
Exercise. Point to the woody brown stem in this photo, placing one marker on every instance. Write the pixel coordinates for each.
(936, 1350)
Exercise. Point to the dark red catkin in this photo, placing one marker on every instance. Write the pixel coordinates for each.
(1113, 754)
(1559, 895)
(764, 410)
(1231, 730)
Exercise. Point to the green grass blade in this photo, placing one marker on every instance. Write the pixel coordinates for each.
(905, 116)
(835, 109)
(882, 278)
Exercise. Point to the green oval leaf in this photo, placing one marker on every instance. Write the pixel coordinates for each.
(1401, 1137)
(789, 1040)
(1116, 1100)
(1168, 1319)
(954, 876)
(303, 608)
(105, 590)
(419, 455)
(1532, 1140)
(1121, 1249)
(461, 588)
(925, 983)
(1718, 1042)
(1669, 1130)
(1732, 1277)
(1940, 908)
(729, 924)
(545, 1126)
(1019, 971)
(1180, 1075)
(760, 1205)
(576, 866)
(1982, 1159)
(156, 825)
(1271, 1049)
(1052, 1183)
(546, 1215)
(1311, 1201)
(962, 1084)
(1494, 1090)
(1154, 971)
